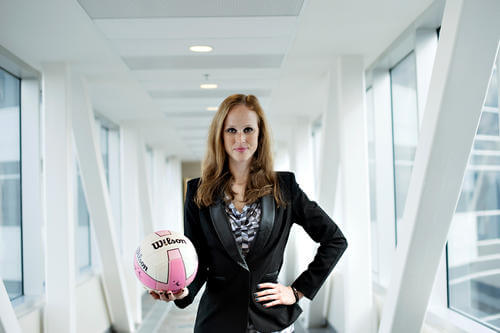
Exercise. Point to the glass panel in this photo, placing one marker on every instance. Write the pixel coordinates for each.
(405, 128)
(474, 239)
(110, 147)
(105, 152)
(82, 233)
(10, 185)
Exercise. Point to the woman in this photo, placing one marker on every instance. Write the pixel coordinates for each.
(238, 216)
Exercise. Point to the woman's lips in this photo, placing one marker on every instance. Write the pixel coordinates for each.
(241, 149)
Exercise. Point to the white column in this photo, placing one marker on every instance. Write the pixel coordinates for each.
(33, 247)
(131, 216)
(470, 30)
(99, 205)
(354, 164)
(60, 313)
(144, 191)
(159, 195)
(173, 203)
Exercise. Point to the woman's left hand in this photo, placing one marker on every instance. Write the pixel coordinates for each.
(276, 293)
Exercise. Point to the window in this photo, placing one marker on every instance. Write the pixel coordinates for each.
(11, 256)
(82, 232)
(474, 238)
(370, 118)
(110, 150)
(405, 128)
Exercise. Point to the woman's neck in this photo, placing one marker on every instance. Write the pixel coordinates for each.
(240, 172)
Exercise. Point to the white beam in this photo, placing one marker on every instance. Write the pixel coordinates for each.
(329, 189)
(464, 59)
(99, 205)
(8, 319)
(355, 195)
(329, 165)
(426, 42)
(60, 311)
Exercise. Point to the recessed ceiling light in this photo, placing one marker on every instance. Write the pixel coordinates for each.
(201, 48)
(208, 86)
(211, 108)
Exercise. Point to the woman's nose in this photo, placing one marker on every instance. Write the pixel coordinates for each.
(241, 137)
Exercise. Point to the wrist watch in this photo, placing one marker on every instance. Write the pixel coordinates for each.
(296, 293)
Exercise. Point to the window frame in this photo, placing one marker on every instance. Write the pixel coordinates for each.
(31, 184)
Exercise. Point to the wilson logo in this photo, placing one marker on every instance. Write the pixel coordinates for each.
(139, 260)
(167, 241)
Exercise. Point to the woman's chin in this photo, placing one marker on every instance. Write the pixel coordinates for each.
(241, 158)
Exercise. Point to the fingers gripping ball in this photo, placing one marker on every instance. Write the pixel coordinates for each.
(166, 261)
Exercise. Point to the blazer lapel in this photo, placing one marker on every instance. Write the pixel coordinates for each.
(265, 228)
(223, 229)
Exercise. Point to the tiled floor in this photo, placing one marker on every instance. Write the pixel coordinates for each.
(161, 317)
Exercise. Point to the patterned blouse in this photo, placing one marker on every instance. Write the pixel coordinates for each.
(245, 226)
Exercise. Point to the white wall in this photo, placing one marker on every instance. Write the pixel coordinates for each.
(91, 308)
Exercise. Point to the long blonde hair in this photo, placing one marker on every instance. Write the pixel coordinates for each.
(216, 177)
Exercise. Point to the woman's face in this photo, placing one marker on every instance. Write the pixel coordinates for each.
(241, 133)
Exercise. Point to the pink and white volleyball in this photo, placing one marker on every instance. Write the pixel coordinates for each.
(166, 260)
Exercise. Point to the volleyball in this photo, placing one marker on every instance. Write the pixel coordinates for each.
(165, 261)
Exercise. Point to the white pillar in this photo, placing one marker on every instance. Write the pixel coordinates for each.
(33, 247)
(144, 191)
(173, 203)
(470, 30)
(60, 313)
(354, 164)
(131, 216)
(99, 205)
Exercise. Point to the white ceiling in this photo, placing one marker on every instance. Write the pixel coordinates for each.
(141, 73)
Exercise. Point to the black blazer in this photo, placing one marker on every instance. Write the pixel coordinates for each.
(228, 300)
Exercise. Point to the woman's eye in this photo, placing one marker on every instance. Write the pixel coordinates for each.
(231, 130)
(248, 130)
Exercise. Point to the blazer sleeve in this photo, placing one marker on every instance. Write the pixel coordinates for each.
(323, 230)
(192, 230)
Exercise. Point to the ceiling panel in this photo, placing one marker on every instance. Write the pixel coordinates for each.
(216, 74)
(189, 8)
(199, 28)
(205, 61)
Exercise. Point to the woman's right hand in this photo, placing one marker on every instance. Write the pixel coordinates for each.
(168, 296)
